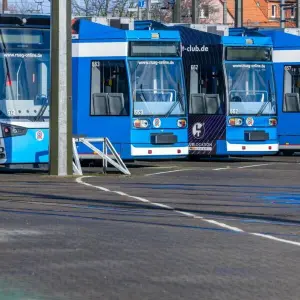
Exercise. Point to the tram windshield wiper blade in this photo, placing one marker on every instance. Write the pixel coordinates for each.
(144, 98)
(42, 109)
(171, 108)
(262, 109)
(269, 101)
(179, 101)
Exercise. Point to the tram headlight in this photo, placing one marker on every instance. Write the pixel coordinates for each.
(235, 121)
(12, 130)
(272, 121)
(181, 123)
(141, 123)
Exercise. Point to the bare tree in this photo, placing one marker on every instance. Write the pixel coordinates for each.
(25, 6)
(161, 12)
(93, 7)
(82, 8)
(207, 10)
(120, 8)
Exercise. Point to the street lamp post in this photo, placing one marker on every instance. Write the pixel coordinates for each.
(238, 18)
(176, 16)
(4, 6)
(296, 7)
(61, 156)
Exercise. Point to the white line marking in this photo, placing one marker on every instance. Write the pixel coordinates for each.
(139, 198)
(173, 171)
(275, 238)
(19, 232)
(223, 225)
(79, 180)
(185, 213)
(119, 193)
(162, 167)
(6, 234)
(218, 169)
(209, 221)
(253, 166)
(162, 205)
(198, 217)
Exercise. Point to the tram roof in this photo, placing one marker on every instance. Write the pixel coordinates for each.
(188, 35)
(197, 37)
(249, 41)
(282, 40)
(88, 30)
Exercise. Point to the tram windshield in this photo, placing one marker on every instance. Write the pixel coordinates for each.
(24, 74)
(157, 87)
(251, 88)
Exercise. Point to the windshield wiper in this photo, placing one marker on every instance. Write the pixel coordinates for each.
(270, 98)
(42, 109)
(262, 109)
(142, 94)
(180, 101)
(144, 98)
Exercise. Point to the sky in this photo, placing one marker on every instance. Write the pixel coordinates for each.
(45, 4)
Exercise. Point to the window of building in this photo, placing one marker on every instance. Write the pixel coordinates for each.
(109, 88)
(293, 12)
(204, 11)
(274, 11)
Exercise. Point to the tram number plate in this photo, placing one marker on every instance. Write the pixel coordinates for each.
(11, 112)
(234, 111)
(138, 112)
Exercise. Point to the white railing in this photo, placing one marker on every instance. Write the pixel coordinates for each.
(115, 161)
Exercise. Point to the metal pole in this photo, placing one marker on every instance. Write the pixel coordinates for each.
(238, 20)
(282, 13)
(61, 154)
(225, 12)
(173, 14)
(195, 4)
(148, 9)
(4, 6)
(139, 13)
(298, 14)
(177, 12)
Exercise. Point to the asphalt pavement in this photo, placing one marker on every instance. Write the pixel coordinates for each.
(209, 229)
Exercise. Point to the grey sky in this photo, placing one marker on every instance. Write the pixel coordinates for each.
(36, 4)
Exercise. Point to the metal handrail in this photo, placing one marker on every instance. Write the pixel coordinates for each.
(116, 161)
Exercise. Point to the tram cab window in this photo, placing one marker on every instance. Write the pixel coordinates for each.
(207, 91)
(109, 88)
(291, 101)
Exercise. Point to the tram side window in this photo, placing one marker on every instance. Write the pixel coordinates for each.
(109, 89)
(207, 89)
(291, 101)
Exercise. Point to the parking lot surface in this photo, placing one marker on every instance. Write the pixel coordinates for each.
(209, 229)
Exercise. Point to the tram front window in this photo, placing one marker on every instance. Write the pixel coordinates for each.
(251, 89)
(157, 88)
(24, 74)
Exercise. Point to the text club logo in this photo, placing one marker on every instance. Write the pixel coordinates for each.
(39, 135)
(156, 123)
(195, 48)
(249, 121)
(198, 130)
